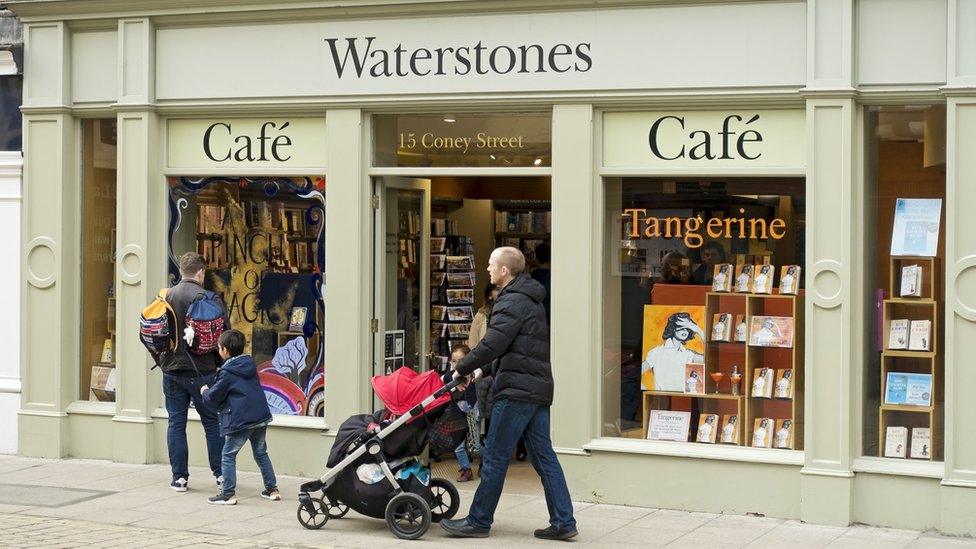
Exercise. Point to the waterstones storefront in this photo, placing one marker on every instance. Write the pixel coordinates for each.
(763, 285)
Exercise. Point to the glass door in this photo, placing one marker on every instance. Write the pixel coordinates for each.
(401, 274)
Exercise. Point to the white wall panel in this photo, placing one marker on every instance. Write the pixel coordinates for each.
(901, 41)
(94, 58)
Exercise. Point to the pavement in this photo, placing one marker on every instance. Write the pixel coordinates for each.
(86, 503)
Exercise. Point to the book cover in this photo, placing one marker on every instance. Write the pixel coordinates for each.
(911, 281)
(762, 283)
(707, 428)
(784, 384)
(762, 382)
(460, 280)
(741, 329)
(898, 334)
(722, 278)
(783, 437)
(438, 312)
(437, 244)
(460, 314)
(743, 278)
(920, 335)
(296, 321)
(915, 230)
(668, 425)
(722, 327)
(771, 331)
(107, 351)
(896, 388)
(730, 429)
(921, 443)
(673, 335)
(918, 389)
(460, 296)
(437, 279)
(789, 279)
(762, 432)
(694, 378)
(896, 440)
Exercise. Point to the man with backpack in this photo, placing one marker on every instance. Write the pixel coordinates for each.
(190, 363)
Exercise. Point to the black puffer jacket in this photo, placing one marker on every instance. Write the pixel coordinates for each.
(517, 342)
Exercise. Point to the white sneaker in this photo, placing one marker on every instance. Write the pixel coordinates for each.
(178, 485)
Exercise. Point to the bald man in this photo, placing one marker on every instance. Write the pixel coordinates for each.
(515, 350)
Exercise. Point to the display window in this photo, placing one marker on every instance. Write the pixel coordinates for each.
(264, 242)
(98, 244)
(905, 177)
(703, 310)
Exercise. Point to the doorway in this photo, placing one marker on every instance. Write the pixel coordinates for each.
(432, 240)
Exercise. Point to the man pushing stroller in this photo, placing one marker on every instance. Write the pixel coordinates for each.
(517, 342)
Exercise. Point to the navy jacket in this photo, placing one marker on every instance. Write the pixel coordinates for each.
(238, 396)
(516, 345)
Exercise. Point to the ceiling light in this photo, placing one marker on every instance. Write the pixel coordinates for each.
(491, 156)
(537, 162)
(450, 120)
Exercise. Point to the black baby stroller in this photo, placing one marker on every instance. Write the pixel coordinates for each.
(391, 439)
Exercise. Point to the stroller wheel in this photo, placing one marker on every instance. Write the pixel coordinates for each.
(313, 513)
(337, 509)
(408, 516)
(445, 500)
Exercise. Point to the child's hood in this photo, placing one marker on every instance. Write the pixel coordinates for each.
(241, 366)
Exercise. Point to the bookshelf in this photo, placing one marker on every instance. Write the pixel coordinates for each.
(925, 307)
(523, 224)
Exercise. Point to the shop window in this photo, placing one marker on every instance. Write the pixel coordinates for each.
(703, 311)
(98, 247)
(10, 117)
(463, 140)
(904, 264)
(264, 241)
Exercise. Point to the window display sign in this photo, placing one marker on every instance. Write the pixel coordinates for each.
(246, 142)
(467, 140)
(705, 139)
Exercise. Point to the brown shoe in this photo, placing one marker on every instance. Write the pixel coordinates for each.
(465, 475)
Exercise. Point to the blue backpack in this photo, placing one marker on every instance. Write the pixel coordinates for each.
(204, 324)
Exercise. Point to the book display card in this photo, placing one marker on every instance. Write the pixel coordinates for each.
(911, 281)
(783, 437)
(103, 383)
(707, 428)
(694, 378)
(668, 425)
(722, 278)
(920, 335)
(107, 351)
(741, 329)
(908, 389)
(784, 384)
(730, 429)
(916, 226)
(771, 331)
(762, 283)
(896, 442)
(789, 279)
(898, 334)
(921, 443)
(743, 278)
(722, 327)
(762, 432)
(296, 321)
(762, 382)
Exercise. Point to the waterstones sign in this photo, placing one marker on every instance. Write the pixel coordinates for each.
(259, 143)
(746, 138)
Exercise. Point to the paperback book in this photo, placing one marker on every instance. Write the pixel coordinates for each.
(896, 442)
(920, 335)
(911, 281)
(898, 334)
(908, 389)
(921, 443)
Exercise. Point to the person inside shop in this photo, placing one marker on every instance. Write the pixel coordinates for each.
(469, 405)
(483, 391)
(183, 375)
(517, 346)
(712, 253)
(675, 268)
(542, 274)
(635, 293)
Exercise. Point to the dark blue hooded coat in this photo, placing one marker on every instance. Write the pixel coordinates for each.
(238, 396)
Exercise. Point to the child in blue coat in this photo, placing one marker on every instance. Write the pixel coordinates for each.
(244, 415)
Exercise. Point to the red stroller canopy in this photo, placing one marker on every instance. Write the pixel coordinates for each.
(405, 388)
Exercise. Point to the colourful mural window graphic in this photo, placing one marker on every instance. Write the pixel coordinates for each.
(264, 242)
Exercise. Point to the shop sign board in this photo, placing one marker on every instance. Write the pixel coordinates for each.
(733, 138)
(270, 142)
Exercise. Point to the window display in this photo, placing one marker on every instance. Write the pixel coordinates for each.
(264, 241)
(98, 242)
(695, 319)
(905, 196)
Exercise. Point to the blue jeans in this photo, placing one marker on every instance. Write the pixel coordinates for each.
(461, 452)
(259, 447)
(511, 420)
(179, 392)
